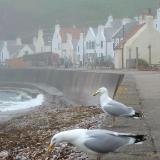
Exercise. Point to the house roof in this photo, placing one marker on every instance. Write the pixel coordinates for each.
(14, 49)
(75, 32)
(95, 30)
(124, 29)
(117, 23)
(108, 32)
(1, 45)
(130, 34)
(32, 47)
(47, 36)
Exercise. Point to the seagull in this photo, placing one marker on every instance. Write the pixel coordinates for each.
(114, 108)
(97, 142)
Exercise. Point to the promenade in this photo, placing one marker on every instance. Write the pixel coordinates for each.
(140, 90)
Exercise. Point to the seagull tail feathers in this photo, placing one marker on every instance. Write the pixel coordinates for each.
(138, 115)
(139, 138)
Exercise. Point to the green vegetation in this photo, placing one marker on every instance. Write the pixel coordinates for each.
(23, 15)
(142, 63)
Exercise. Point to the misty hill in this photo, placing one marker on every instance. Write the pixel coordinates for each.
(22, 17)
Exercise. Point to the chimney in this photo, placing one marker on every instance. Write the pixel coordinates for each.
(126, 20)
(100, 28)
(57, 28)
(158, 13)
(109, 22)
(40, 33)
(69, 37)
(34, 41)
(81, 36)
(18, 41)
(5, 44)
(149, 18)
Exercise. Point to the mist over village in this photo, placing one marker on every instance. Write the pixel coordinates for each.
(79, 80)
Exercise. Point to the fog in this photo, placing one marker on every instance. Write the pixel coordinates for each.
(68, 64)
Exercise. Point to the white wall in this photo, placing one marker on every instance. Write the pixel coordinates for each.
(157, 20)
(100, 38)
(90, 44)
(110, 50)
(39, 42)
(4, 54)
(68, 48)
(26, 50)
(80, 49)
(57, 41)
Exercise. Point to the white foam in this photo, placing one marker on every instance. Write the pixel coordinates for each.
(21, 105)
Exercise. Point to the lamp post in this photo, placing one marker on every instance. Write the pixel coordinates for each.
(137, 58)
(123, 46)
(83, 59)
(150, 58)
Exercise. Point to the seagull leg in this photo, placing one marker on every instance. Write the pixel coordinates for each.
(99, 157)
(113, 120)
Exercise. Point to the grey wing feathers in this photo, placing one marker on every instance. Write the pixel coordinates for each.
(118, 109)
(104, 143)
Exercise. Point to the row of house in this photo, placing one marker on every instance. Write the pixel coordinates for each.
(120, 41)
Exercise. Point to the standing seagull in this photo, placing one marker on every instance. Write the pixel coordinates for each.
(114, 108)
(97, 142)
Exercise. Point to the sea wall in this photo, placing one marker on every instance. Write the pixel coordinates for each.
(75, 84)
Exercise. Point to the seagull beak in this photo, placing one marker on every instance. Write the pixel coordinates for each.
(94, 94)
(50, 148)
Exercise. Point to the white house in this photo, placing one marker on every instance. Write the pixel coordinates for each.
(38, 42)
(64, 42)
(80, 49)
(24, 50)
(109, 51)
(141, 42)
(67, 48)
(157, 20)
(123, 30)
(90, 45)
(100, 42)
(57, 41)
(4, 53)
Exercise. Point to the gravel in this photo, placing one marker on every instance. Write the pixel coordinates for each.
(27, 137)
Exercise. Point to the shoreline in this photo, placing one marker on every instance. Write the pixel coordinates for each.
(51, 95)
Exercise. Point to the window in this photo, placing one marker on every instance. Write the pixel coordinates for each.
(130, 53)
(90, 45)
(93, 45)
(87, 45)
(59, 46)
(26, 52)
(101, 44)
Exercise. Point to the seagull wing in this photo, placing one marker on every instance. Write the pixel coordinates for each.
(102, 142)
(118, 109)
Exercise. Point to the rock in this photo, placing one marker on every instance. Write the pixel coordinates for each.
(21, 157)
(4, 154)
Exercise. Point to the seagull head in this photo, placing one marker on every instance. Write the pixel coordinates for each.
(101, 91)
(64, 136)
(55, 141)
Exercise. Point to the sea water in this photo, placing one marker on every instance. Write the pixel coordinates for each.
(18, 99)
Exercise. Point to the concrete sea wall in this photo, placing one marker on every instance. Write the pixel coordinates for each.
(75, 84)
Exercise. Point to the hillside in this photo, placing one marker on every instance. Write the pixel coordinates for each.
(18, 17)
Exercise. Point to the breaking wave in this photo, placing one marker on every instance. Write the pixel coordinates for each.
(19, 99)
